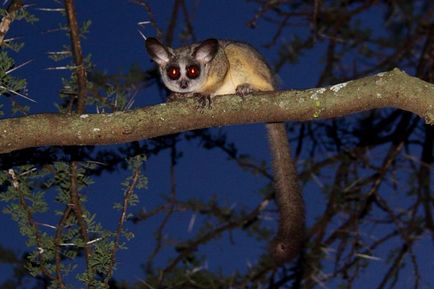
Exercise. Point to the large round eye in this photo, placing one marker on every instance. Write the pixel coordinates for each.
(193, 71)
(173, 72)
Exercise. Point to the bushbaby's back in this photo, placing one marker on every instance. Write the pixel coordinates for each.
(246, 66)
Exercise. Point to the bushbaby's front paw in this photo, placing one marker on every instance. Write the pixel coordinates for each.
(204, 100)
(176, 96)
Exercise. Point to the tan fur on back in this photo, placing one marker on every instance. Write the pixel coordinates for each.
(246, 66)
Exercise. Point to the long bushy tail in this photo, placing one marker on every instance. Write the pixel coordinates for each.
(290, 235)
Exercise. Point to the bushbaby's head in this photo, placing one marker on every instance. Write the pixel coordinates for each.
(183, 69)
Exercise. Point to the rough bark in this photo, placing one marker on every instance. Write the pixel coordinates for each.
(389, 89)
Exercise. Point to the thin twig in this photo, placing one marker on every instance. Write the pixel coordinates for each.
(32, 223)
(171, 208)
(57, 242)
(75, 203)
(192, 245)
(151, 16)
(74, 33)
(122, 219)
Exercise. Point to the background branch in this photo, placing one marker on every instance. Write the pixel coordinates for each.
(6, 21)
(74, 34)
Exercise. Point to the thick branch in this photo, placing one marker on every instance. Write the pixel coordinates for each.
(389, 89)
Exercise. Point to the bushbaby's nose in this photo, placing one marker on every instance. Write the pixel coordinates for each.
(183, 83)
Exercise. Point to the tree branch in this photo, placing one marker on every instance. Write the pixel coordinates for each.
(390, 89)
(74, 33)
(6, 21)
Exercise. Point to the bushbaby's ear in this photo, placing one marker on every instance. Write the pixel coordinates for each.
(206, 51)
(158, 52)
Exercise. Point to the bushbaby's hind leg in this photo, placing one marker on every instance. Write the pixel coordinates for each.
(244, 89)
